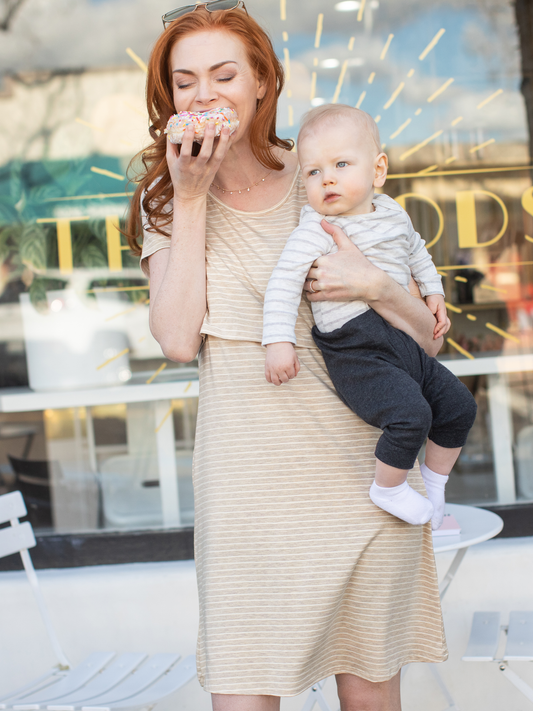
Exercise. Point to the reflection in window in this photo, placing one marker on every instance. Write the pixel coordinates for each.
(455, 112)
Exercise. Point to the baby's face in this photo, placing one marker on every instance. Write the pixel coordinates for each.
(340, 167)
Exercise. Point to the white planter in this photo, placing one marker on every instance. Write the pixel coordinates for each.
(67, 346)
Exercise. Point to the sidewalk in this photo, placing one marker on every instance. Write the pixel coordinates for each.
(152, 607)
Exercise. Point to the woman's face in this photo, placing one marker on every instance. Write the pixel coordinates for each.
(210, 70)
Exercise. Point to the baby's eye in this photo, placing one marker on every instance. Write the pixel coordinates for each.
(342, 164)
(313, 172)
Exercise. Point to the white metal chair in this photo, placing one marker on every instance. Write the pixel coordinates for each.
(484, 644)
(104, 680)
(316, 697)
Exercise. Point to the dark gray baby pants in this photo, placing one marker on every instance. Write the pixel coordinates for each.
(384, 376)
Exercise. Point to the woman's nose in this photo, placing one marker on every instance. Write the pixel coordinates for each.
(206, 93)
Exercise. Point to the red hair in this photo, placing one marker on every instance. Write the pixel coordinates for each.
(154, 186)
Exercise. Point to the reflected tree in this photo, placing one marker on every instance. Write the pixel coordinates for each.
(8, 8)
(524, 21)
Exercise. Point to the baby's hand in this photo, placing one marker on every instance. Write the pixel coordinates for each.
(282, 363)
(435, 303)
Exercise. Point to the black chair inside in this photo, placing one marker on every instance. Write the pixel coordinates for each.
(32, 479)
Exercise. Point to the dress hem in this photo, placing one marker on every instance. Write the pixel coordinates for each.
(332, 672)
(208, 331)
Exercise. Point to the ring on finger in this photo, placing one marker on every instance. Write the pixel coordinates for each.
(311, 286)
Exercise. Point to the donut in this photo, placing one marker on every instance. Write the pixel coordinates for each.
(178, 123)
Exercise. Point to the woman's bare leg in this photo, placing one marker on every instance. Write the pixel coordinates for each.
(358, 694)
(232, 702)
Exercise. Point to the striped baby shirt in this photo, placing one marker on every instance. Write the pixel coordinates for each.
(386, 237)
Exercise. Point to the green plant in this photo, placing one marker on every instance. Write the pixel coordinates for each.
(28, 249)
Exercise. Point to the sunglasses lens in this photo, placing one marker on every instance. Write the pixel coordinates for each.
(211, 6)
(222, 5)
(174, 14)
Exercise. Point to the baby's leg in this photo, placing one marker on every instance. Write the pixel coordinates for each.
(454, 412)
(435, 472)
(367, 360)
(391, 492)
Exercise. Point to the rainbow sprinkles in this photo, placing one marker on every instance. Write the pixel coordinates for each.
(199, 119)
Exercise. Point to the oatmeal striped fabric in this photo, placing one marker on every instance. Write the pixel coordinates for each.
(238, 270)
(300, 576)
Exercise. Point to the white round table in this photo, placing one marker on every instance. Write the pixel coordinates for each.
(477, 526)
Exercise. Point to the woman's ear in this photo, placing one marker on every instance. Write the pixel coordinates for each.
(381, 166)
(261, 88)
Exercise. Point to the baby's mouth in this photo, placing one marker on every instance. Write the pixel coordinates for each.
(331, 196)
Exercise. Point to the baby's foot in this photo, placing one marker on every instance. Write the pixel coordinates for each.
(403, 502)
(435, 484)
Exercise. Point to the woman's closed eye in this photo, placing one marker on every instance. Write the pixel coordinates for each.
(226, 78)
(184, 84)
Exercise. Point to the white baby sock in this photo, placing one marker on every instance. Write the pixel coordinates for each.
(403, 502)
(435, 484)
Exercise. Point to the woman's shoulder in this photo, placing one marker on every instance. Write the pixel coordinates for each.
(153, 240)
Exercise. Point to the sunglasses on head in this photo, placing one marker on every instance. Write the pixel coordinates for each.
(211, 6)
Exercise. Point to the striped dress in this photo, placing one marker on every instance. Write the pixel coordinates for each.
(300, 576)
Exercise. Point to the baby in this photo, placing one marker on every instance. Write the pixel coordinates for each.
(380, 372)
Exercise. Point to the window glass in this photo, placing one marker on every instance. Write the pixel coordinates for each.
(88, 403)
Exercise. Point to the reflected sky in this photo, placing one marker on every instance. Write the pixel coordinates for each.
(479, 50)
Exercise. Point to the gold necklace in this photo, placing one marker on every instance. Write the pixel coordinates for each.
(241, 190)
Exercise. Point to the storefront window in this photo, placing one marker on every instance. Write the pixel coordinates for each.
(96, 426)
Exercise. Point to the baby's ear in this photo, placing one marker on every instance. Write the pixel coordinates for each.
(381, 166)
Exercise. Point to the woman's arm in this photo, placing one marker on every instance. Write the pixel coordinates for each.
(348, 275)
(177, 275)
(178, 288)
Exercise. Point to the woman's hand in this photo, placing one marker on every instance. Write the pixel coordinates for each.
(345, 275)
(192, 175)
(348, 275)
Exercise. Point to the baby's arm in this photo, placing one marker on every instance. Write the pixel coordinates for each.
(281, 364)
(282, 299)
(428, 280)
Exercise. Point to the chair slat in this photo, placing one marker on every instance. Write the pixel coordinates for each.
(74, 680)
(129, 682)
(484, 637)
(519, 645)
(14, 539)
(108, 679)
(145, 675)
(170, 682)
(12, 506)
(51, 677)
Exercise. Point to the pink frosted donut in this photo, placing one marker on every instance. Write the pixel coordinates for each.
(178, 123)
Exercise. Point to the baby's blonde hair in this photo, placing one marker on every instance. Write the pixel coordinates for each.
(331, 112)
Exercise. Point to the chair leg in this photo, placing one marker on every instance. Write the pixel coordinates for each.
(436, 674)
(316, 696)
(516, 681)
(27, 446)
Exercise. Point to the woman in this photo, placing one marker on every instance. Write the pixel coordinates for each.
(300, 576)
